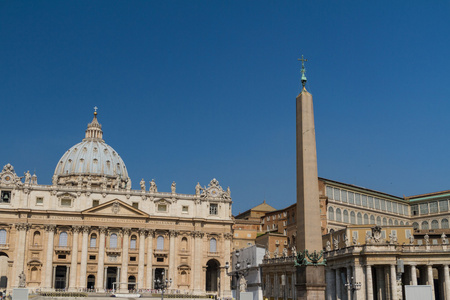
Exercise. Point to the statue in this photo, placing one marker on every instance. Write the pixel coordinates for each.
(242, 285)
(336, 244)
(427, 239)
(328, 247)
(173, 187)
(142, 183)
(80, 181)
(104, 181)
(294, 251)
(22, 280)
(411, 239)
(89, 182)
(354, 241)
(228, 191)
(128, 184)
(346, 241)
(267, 255)
(27, 177)
(153, 187)
(444, 239)
(368, 238)
(285, 252)
(34, 179)
(393, 239)
(275, 253)
(198, 189)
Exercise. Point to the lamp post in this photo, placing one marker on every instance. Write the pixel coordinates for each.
(353, 286)
(163, 284)
(239, 273)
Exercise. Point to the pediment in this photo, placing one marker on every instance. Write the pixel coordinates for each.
(115, 208)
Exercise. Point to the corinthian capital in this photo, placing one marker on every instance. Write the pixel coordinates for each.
(22, 226)
(50, 228)
(86, 229)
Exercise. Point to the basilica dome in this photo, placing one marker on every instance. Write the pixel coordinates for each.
(92, 162)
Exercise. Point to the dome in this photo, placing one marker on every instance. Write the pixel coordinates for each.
(91, 162)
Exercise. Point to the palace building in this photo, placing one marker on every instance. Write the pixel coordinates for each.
(90, 230)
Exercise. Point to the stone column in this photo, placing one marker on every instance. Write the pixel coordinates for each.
(99, 285)
(358, 276)
(49, 257)
(338, 285)
(369, 283)
(124, 274)
(393, 277)
(387, 282)
(225, 279)
(349, 280)
(430, 280)
(172, 267)
(141, 260)
(413, 275)
(331, 288)
(22, 229)
(381, 287)
(446, 282)
(84, 253)
(149, 281)
(197, 263)
(74, 259)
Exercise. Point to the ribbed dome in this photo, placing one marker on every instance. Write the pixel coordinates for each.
(90, 161)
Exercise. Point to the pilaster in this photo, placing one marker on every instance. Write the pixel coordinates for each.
(101, 261)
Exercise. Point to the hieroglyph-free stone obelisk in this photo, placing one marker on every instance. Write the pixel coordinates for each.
(309, 261)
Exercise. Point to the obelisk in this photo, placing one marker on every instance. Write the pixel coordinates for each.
(310, 265)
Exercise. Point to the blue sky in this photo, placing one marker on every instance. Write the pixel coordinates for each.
(195, 90)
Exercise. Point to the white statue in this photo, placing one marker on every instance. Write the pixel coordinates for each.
(328, 247)
(285, 252)
(336, 244)
(444, 239)
(27, 177)
(173, 187)
(275, 253)
(346, 241)
(153, 187)
(354, 240)
(198, 189)
(22, 280)
(294, 251)
(242, 284)
(142, 183)
(411, 239)
(427, 239)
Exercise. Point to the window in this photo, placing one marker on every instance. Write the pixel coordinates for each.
(61, 256)
(433, 207)
(366, 219)
(379, 221)
(132, 258)
(162, 207)
(212, 245)
(330, 213)
(6, 197)
(2, 237)
(357, 199)
(383, 204)
(370, 202)
(351, 198)
(425, 225)
(391, 222)
(213, 209)
(415, 210)
(160, 243)
(377, 203)
(66, 202)
(160, 259)
(444, 224)
(415, 225)
(384, 222)
(37, 238)
(93, 242)
(344, 196)
(133, 242)
(135, 205)
(184, 242)
(364, 200)
(337, 194)
(389, 206)
(443, 205)
(434, 224)
(359, 217)
(330, 192)
(92, 257)
(372, 219)
(424, 208)
(113, 241)
(95, 203)
(185, 209)
(394, 207)
(345, 216)
(39, 201)
(352, 217)
(338, 215)
(63, 239)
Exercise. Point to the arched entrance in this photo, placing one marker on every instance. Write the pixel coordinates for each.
(3, 270)
(91, 282)
(111, 278)
(60, 277)
(212, 274)
(131, 283)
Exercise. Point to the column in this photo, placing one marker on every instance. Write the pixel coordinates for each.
(74, 259)
(124, 271)
(84, 253)
(172, 267)
(338, 285)
(349, 280)
(21, 229)
(446, 282)
(117, 286)
(369, 283)
(330, 279)
(393, 277)
(49, 257)
(430, 280)
(101, 274)
(358, 276)
(413, 275)
(225, 280)
(387, 282)
(141, 260)
(151, 233)
(381, 295)
(197, 263)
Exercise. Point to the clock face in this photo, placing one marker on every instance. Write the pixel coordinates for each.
(7, 178)
(214, 192)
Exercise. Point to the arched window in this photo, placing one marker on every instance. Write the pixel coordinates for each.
(425, 225)
(183, 276)
(359, 217)
(352, 217)
(113, 241)
(93, 242)
(3, 237)
(434, 224)
(184, 242)
(212, 245)
(366, 219)
(63, 239)
(402, 223)
(384, 222)
(160, 243)
(379, 221)
(372, 219)
(415, 225)
(34, 273)
(330, 213)
(133, 242)
(36, 238)
(444, 224)
(338, 215)
(390, 222)
(345, 216)
(396, 222)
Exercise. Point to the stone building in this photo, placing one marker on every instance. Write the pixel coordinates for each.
(91, 230)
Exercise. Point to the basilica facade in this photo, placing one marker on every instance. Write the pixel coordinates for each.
(90, 230)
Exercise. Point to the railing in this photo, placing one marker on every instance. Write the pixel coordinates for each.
(35, 247)
(65, 249)
(4, 246)
(215, 254)
(93, 249)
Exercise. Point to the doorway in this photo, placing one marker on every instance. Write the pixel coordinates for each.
(91, 282)
(111, 278)
(60, 277)
(212, 273)
(158, 282)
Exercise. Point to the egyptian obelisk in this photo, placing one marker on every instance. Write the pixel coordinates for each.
(310, 265)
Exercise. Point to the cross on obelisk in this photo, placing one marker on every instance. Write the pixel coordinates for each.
(303, 71)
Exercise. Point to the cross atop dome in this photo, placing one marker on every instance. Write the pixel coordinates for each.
(94, 129)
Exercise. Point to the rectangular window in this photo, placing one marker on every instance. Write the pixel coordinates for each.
(423, 208)
(415, 210)
(351, 198)
(370, 202)
(213, 209)
(443, 205)
(5, 197)
(330, 192)
(39, 201)
(132, 258)
(433, 207)
(160, 259)
(394, 207)
(337, 194)
(383, 204)
(408, 233)
(364, 200)
(185, 210)
(405, 210)
(61, 256)
(135, 205)
(162, 207)
(95, 203)
(92, 257)
(66, 202)
(389, 206)
(377, 203)
(344, 196)
(357, 199)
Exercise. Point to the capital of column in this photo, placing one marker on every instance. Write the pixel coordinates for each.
(173, 233)
(228, 236)
(22, 226)
(76, 228)
(151, 232)
(103, 229)
(126, 231)
(198, 234)
(50, 228)
(86, 228)
(143, 231)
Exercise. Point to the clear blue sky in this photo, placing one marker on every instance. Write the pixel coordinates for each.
(192, 90)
